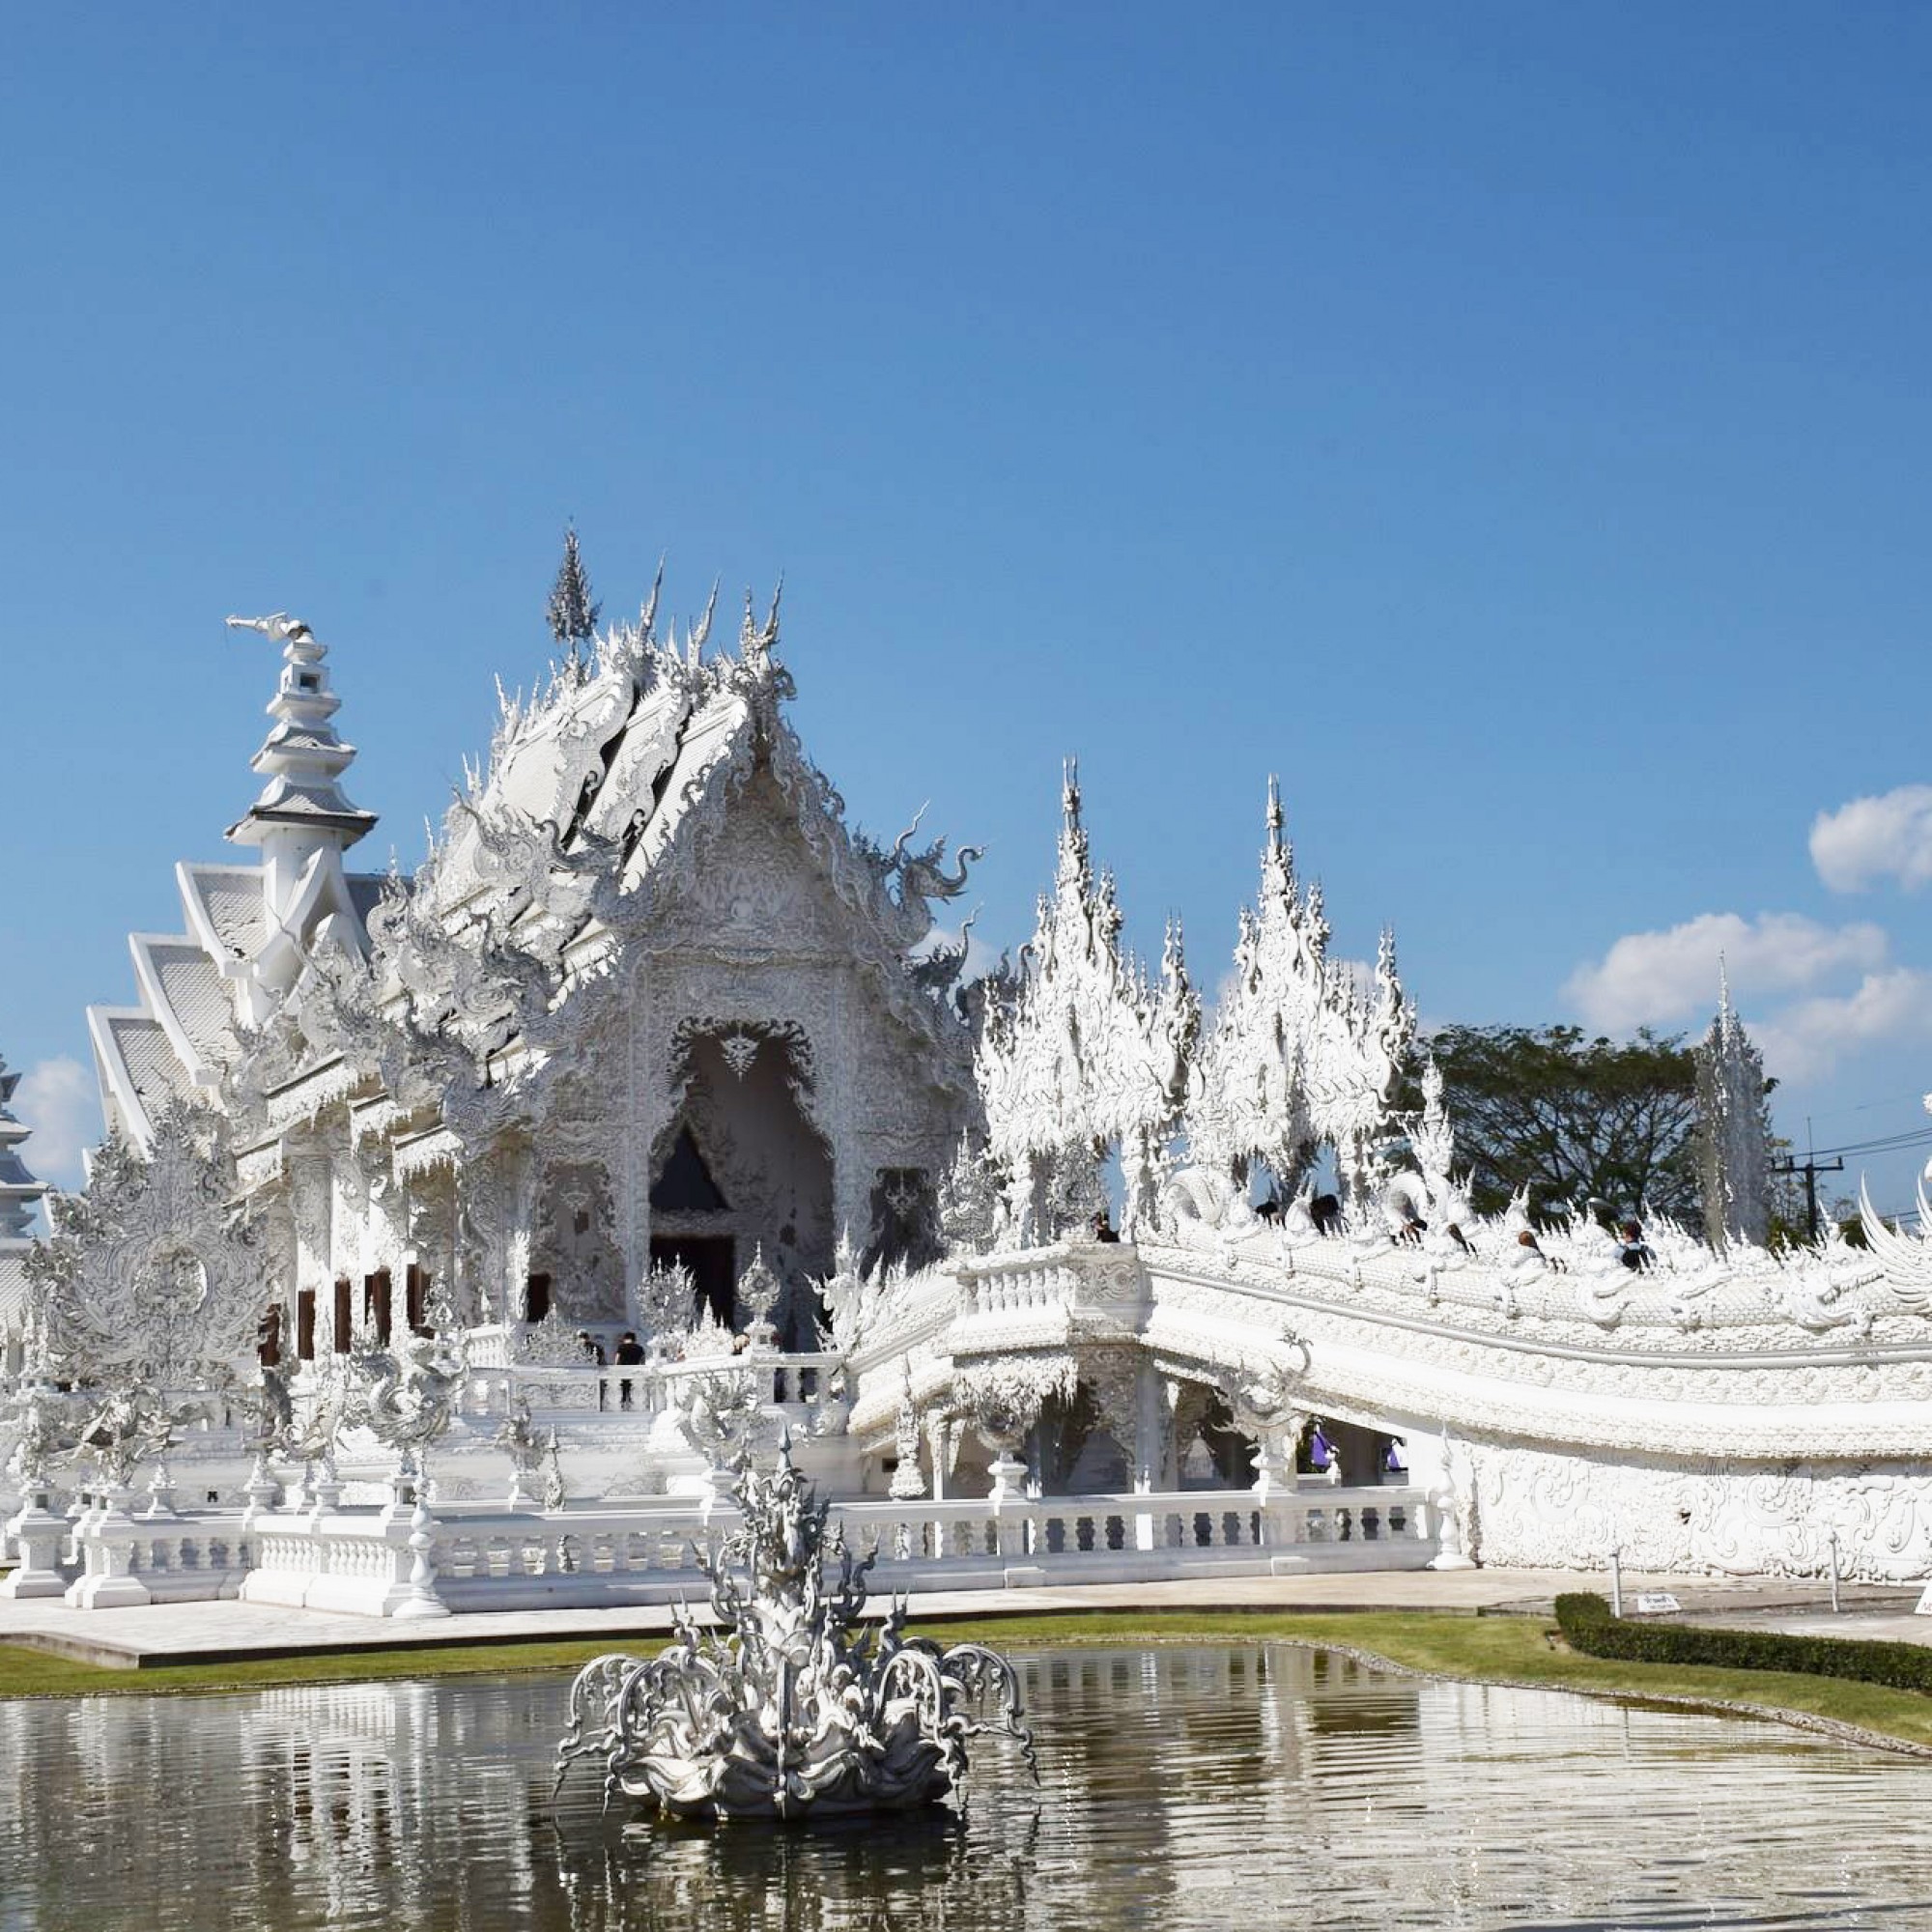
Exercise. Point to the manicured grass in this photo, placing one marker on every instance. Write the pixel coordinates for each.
(33, 1674)
(1491, 1649)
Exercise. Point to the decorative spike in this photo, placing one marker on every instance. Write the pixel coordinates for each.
(700, 636)
(648, 616)
(571, 612)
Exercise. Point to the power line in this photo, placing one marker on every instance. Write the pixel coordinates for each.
(1810, 1167)
(1884, 1144)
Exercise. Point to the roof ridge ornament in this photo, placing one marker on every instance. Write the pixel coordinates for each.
(302, 756)
(302, 820)
(572, 613)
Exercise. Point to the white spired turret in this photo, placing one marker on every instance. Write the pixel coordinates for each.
(1733, 1140)
(19, 1196)
(20, 1191)
(302, 821)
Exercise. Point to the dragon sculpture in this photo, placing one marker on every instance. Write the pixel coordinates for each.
(796, 1711)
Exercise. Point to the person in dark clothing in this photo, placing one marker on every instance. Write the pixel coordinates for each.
(1103, 1229)
(630, 1352)
(1325, 1211)
(1636, 1255)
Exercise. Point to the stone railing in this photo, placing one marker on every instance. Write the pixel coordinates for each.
(358, 1561)
(106, 1557)
(1067, 1276)
(400, 1561)
(1143, 1536)
(800, 1386)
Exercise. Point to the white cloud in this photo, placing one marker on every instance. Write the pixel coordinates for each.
(58, 1100)
(1804, 1040)
(1655, 978)
(1872, 839)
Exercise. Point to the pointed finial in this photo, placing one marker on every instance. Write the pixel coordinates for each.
(1069, 791)
(700, 634)
(1274, 821)
(647, 617)
(1723, 984)
(1173, 949)
(571, 613)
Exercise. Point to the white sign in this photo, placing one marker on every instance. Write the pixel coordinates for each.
(1656, 1603)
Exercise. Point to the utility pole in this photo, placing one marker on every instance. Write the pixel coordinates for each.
(1811, 1167)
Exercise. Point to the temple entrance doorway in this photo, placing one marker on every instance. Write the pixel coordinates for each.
(745, 1170)
(710, 1259)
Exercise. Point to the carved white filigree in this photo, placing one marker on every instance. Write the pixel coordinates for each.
(1088, 1056)
(1733, 1136)
(154, 1279)
(666, 1304)
(846, 1297)
(722, 1412)
(1297, 1057)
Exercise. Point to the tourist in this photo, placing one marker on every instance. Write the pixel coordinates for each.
(1636, 1255)
(1103, 1229)
(1325, 1211)
(629, 1354)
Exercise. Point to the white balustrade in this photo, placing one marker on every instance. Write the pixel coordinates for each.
(480, 1558)
(799, 1384)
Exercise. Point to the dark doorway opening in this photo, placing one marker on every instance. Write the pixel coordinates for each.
(377, 1304)
(269, 1349)
(536, 1297)
(686, 1187)
(709, 1258)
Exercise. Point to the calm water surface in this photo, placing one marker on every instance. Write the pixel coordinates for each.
(1239, 1785)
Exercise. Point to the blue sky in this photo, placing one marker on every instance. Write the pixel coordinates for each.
(1507, 423)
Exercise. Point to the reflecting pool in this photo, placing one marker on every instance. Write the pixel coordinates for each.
(1232, 1785)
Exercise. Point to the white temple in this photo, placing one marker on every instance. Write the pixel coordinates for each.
(654, 1045)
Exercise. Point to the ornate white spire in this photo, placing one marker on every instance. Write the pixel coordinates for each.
(1297, 1057)
(1089, 1054)
(572, 614)
(301, 757)
(20, 1191)
(1733, 1134)
(302, 821)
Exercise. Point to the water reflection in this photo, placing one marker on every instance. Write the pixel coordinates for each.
(1181, 1788)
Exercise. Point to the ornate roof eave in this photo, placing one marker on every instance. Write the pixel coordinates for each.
(720, 755)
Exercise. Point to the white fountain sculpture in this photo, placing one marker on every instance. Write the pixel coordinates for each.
(789, 1708)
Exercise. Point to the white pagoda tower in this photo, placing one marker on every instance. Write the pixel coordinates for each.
(19, 1197)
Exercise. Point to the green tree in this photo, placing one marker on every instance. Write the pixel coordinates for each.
(1572, 1119)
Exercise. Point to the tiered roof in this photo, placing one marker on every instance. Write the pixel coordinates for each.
(19, 1196)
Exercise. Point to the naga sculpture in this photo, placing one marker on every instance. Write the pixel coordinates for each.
(789, 1709)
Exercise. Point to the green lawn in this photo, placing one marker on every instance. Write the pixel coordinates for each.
(1496, 1649)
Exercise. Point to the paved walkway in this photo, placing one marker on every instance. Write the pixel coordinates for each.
(221, 1633)
(1878, 1616)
